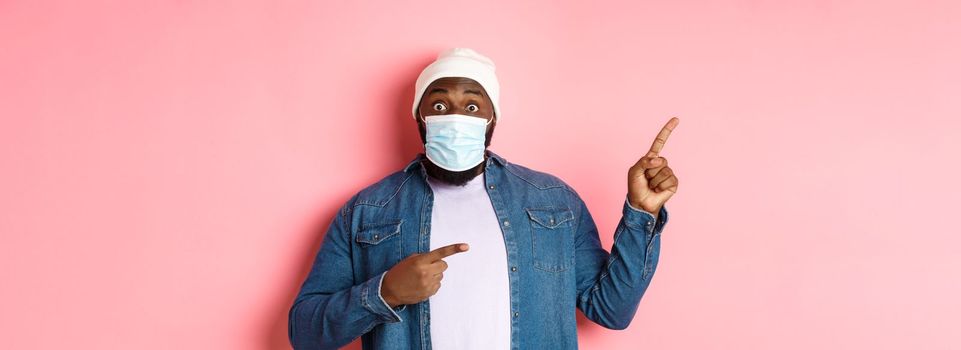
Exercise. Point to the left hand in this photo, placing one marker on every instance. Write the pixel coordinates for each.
(650, 182)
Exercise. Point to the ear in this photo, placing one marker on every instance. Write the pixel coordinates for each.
(421, 129)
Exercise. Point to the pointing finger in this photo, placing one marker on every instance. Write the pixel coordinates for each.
(662, 136)
(446, 251)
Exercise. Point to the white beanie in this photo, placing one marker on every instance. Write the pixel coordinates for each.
(460, 62)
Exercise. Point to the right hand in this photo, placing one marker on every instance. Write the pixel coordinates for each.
(418, 276)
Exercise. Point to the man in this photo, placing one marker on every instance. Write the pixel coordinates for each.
(462, 249)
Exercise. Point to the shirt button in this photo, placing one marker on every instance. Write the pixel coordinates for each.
(375, 236)
(507, 223)
(513, 268)
(492, 187)
(516, 314)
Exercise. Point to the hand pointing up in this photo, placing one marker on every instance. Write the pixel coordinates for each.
(650, 182)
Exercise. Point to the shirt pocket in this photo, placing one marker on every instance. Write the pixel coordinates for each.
(379, 244)
(552, 238)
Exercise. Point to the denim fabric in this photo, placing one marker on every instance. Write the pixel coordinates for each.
(555, 262)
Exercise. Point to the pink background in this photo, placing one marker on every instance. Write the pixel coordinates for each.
(168, 168)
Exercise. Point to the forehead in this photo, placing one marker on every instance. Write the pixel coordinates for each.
(456, 83)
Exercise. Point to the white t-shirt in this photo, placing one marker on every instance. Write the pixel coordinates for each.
(471, 310)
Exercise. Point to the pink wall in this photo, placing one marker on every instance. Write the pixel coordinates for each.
(168, 168)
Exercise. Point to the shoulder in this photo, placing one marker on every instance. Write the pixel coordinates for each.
(538, 179)
(551, 186)
(379, 193)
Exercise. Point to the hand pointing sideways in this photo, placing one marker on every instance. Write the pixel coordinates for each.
(650, 182)
(418, 276)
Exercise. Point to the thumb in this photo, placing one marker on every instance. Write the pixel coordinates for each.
(651, 162)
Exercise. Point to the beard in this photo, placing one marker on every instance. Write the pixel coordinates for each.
(456, 178)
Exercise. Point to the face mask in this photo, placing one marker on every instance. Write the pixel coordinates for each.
(455, 142)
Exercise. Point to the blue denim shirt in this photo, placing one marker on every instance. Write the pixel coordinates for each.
(554, 257)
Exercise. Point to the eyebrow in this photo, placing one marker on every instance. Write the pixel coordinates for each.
(442, 90)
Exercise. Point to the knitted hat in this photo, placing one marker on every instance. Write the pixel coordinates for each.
(460, 62)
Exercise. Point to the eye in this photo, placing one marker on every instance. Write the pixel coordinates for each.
(440, 107)
(472, 108)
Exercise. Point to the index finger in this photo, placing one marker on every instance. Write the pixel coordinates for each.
(446, 251)
(662, 137)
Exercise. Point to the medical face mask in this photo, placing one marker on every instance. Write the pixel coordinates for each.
(455, 142)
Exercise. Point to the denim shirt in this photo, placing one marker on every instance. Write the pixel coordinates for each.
(554, 257)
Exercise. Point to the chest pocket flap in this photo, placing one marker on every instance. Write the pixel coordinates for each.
(551, 217)
(374, 233)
